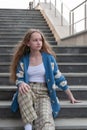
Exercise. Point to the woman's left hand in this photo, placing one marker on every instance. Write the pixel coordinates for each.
(71, 97)
(73, 100)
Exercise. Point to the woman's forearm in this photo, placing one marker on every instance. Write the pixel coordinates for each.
(71, 97)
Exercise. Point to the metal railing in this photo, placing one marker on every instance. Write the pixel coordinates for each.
(71, 18)
(78, 18)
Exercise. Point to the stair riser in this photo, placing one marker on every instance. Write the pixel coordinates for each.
(19, 16)
(71, 128)
(77, 59)
(59, 128)
(25, 27)
(15, 42)
(63, 68)
(73, 68)
(20, 34)
(81, 95)
(73, 50)
(18, 39)
(73, 112)
(76, 80)
(16, 11)
(64, 112)
(22, 30)
(6, 95)
(11, 128)
(70, 50)
(56, 49)
(78, 94)
(6, 58)
(7, 113)
(71, 80)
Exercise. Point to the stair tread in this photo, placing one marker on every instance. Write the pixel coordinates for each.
(64, 104)
(60, 123)
(59, 63)
(10, 123)
(57, 54)
(72, 87)
(71, 123)
(67, 74)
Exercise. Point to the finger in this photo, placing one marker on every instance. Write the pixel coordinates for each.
(77, 101)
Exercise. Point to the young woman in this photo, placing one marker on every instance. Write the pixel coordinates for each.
(36, 73)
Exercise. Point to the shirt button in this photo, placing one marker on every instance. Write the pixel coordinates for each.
(53, 101)
(50, 91)
(56, 113)
(48, 80)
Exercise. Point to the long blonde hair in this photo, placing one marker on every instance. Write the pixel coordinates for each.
(22, 48)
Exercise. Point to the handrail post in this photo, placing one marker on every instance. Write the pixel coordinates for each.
(55, 8)
(73, 22)
(62, 14)
(45, 1)
(85, 15)
(33, 3)
(70, 23)
(50, 4)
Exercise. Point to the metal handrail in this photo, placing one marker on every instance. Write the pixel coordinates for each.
(78, 5)
(73, 23)
(71, 14)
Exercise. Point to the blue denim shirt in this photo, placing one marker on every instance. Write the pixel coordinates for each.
(54, 78)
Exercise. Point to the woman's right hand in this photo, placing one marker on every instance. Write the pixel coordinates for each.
(24, 88)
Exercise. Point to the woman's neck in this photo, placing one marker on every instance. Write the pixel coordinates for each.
(35, 54)
(35, 58)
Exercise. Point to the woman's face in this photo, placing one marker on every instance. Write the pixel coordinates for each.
(35, 42)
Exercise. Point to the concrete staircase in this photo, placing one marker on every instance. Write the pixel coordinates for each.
(72, 63)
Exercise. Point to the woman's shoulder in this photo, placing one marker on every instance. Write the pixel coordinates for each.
(24, 57)
(47, 54)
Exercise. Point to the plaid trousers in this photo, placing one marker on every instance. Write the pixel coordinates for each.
(35, 107)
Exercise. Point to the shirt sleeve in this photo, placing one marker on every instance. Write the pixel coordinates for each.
(60, 80)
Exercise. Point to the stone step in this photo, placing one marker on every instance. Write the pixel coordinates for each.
(73, 67)
(19, 38)
(79, 92)
(72, 78)
(20, 15)
(9, 20)
(71, 124)
(78, 58)
(22, 30)
(15, 42)
(22, 24)
(18, 11)
(42, 28)
(21, 34)
(60, 124)
(14, 13)
(64, 67)
(70, 49)
(56, 48)
(77, 110)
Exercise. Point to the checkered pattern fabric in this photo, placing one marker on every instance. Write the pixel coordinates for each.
(35, 107)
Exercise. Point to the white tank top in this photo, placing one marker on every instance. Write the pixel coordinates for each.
(36, 73)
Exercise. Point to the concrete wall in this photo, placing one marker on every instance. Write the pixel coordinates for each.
(79, 39)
